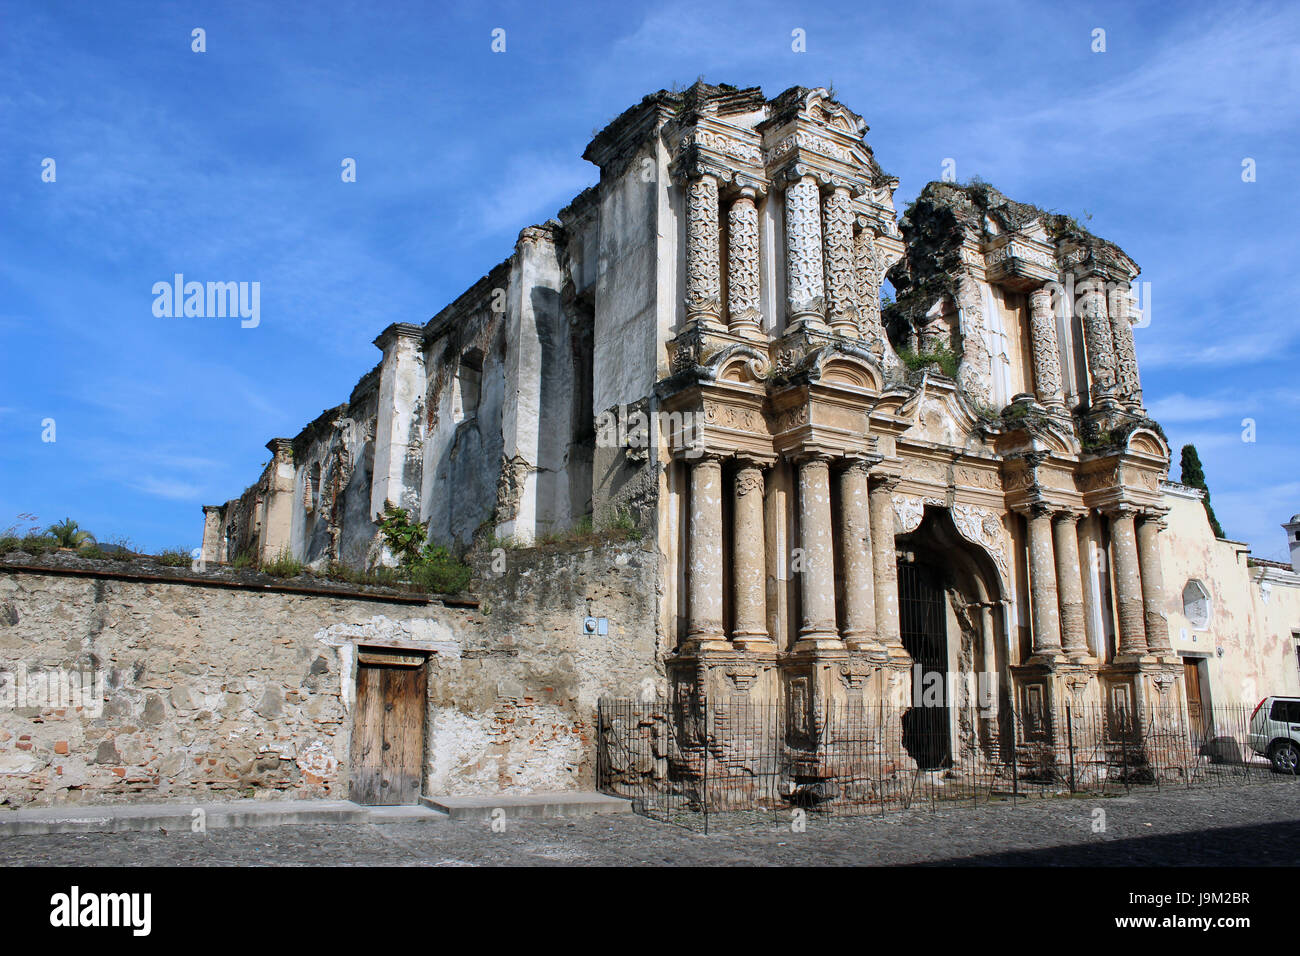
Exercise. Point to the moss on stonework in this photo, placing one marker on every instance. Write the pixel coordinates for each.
(945, 358)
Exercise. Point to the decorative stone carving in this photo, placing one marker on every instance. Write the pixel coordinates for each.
(804, 267)
(810, 141)
(976, 371)
(741, 677)
(869, 267)
(1100, 343)
(1047, 359)
(855, 675)
(1128, 385)
(726, 145)
(1097, 480)
(910, 509)
(841, 281)
(743, 276)
(982, 527)
(977, 478)
(703, 281)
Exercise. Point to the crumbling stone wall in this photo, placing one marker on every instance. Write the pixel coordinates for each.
(217, 688)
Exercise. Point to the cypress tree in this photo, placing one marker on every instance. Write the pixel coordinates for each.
(1194, 477)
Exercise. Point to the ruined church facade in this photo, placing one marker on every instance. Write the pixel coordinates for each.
(698, 345)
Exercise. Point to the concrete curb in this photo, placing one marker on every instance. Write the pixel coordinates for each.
(140, 818)
(528, 805)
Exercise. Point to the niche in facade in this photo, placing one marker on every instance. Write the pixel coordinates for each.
(469, 386)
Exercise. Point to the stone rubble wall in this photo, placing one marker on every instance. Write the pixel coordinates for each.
(214, 692)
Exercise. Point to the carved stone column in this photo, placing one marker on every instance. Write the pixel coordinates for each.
(744, 315)
(1100, 342)
(817, 581)
(837, 254)
(976, 370)
(748, 579)
(1042, 586)
(705, 553)
(803, 240)
(859, 577)
(703, 258)
(885, 565)
(1069, 585)
(1128, 584)
(1128, 385)
(1047, 359)
(867, 264)
(1153, 585)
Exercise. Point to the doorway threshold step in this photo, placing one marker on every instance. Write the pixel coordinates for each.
(560, 803)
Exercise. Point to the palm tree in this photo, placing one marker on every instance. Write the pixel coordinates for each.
(68, 535)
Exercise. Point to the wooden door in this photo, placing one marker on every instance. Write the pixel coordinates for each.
(388, 730)
(1195, 711)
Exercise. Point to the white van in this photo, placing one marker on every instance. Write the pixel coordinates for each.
(1275, 732)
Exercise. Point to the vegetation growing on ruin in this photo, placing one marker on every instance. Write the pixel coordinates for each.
(283, 565)
(429, 566)
(621, 525)
(173, 558)
(68, 534)
(943, 356)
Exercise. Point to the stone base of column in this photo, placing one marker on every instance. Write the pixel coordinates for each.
(1049, 660)
(755, 642)
(704, 643)
(866, 645)
(819, 642)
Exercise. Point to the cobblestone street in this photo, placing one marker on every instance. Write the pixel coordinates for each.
(1251, 825)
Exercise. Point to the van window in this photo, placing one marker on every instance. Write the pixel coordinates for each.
(1285, 711)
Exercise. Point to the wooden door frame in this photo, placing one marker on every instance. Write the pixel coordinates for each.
(372, 654)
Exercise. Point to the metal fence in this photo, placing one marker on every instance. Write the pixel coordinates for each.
(739, 762)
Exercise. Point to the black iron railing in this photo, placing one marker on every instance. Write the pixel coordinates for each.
(739, 761)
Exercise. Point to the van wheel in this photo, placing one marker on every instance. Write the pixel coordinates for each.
(1286, 757)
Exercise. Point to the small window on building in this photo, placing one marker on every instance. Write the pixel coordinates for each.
(1196, 603)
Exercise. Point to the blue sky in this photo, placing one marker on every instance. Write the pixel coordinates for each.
(225, 165)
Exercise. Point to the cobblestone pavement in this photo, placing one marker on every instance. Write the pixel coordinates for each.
(1232, 826)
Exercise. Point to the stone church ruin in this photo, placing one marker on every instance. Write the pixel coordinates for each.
(845, 503)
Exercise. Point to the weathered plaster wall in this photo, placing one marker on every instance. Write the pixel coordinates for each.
(217, 692)
(1258, 652)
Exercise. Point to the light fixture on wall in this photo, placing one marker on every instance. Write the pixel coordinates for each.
(1219, 650)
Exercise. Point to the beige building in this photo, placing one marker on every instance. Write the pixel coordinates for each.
(840, 494)
(1234, 620)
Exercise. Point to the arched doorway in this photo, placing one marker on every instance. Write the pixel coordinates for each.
(951, 623)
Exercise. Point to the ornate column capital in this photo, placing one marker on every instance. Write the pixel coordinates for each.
(1069, 516)
(884, 480)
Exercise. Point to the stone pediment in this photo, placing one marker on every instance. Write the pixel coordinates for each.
(939, 415)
